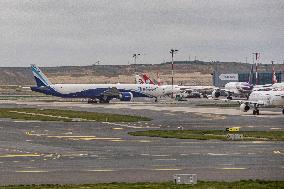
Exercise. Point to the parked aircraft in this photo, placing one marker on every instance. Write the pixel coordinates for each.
(240, 89)
(182, 88)
(273, 98)
(97, 92)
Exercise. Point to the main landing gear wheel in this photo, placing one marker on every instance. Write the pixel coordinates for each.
(283, 111)
(230, 98)
(92, 101)
(255, 112)
(104, 101)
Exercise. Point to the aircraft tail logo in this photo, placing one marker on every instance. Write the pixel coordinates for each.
(274, 79)
(147, 79)
(41, 79)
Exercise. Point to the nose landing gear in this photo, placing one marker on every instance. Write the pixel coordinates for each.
(255, 112)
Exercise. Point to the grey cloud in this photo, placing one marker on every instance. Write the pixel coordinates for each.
(79, 32)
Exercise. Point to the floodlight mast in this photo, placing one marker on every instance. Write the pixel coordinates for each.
(173, 51)
(135, 59)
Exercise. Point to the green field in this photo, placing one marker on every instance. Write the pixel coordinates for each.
(222, 105)
(65, 115)
(210, 134)
(166, 185)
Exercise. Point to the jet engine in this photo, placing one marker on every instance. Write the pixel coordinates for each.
(244, 107)
(126, 96)
(216, 93)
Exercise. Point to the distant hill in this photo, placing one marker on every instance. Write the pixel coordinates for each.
(193, 72)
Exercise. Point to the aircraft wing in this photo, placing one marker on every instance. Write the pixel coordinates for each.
(110, 92)
(248, 102)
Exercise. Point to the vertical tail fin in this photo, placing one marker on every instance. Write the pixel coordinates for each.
(40, 78)
(138, 79)
(274, 79)
(158, 78)
(148, 80)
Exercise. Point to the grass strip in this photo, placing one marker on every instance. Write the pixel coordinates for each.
(225, 105)
(211, 134)
(65, 115)
(247, 184)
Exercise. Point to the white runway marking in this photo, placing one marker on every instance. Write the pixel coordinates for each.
(31, 171)
(101, 170)
(166, 159)
(212, 154)
(232, 168)
(169, 169)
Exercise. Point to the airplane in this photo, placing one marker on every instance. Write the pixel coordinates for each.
(182, 88)
(274, 85)
(241, 89)
(272, 98)
(102, 93)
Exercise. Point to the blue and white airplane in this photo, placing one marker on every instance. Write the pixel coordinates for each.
(97, 92)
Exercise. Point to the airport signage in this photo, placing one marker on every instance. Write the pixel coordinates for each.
(229, 77)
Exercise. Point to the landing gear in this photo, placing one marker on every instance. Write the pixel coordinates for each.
(104, 101)
(229, 96)
(283, 111)
(255, 112)
(92, 101)
(101, 100)
(156, 99)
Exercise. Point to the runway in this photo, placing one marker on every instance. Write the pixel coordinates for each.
(33, 152)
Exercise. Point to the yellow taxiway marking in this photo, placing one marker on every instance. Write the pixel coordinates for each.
(117, 128)
(19, 155)
(84, 138)
(258, 142)
(144, 141)
(118, 140)
(101, 170)
(31, 171)
(71, 136)
(169, 169)
(232, 168)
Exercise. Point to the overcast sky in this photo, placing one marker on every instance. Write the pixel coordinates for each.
(81, 32)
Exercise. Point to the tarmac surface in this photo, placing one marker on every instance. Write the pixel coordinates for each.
(34, 152)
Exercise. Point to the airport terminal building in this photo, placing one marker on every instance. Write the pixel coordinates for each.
(220, 79)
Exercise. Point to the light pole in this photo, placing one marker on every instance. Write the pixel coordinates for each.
(256, 56)
(173, 51)
(135, 57)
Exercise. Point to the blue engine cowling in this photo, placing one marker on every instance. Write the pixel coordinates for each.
(126, 96)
